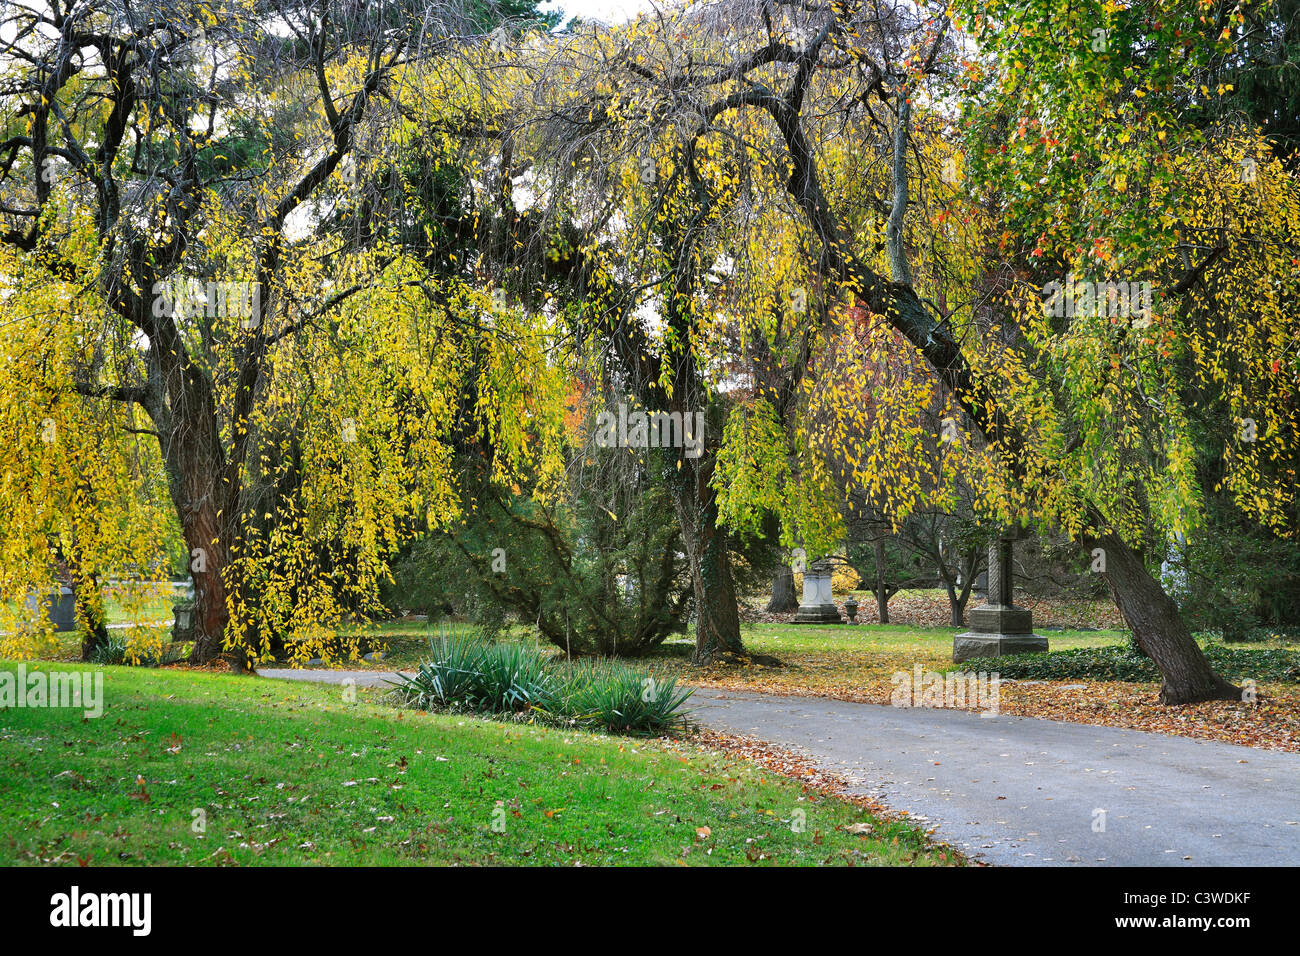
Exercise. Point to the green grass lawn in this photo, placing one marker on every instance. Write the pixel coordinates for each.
(290, 773)
(407, 642)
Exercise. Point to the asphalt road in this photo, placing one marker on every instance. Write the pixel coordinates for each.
(1022, 791)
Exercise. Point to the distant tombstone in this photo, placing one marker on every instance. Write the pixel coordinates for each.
(60, 606)
(183, 626)
(183, 610)
(851, 609)
(818, 605)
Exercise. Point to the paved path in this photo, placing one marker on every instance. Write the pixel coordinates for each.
(362, 678)
(1022, 791)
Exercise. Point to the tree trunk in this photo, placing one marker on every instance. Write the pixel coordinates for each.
(205, 538)
(1159, 629)
(959, 598)
(784, 600)
(882, 591)
(88, 600)
(972, 558)
(956, 605)
(717, 628)
(90, 609)
(200, 487)
(718, 622)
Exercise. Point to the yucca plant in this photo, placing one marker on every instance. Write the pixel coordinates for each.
(514, 678)
(614, 697)
(111, 650)
(116, 649)
(450, 678)
(464, 673)
(469, 674)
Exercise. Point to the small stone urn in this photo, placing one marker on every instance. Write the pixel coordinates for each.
(851, 609)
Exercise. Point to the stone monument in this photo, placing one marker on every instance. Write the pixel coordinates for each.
(183, 609)
(59, 605)
(817, 606)
(998, 626)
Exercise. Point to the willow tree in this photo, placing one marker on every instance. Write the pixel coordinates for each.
(684, 192)
(178, 164)
(583, 229)
(809, 94)
(83, 498)
(1149, 240)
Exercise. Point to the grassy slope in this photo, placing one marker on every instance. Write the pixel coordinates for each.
(292, 774)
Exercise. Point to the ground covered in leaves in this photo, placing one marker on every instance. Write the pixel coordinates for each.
(859, 663)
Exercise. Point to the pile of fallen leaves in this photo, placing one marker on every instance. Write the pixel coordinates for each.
(1271, 722)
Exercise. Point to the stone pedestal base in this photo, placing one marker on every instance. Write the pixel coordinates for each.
(1001, 619)
(818, 614)
(974, 644)
(183, 625)
(817, 606)
(998, 627)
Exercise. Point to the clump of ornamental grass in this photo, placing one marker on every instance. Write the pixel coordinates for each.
(523, 682)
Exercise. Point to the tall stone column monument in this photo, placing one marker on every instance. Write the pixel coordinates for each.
(817, 606)
(998, 626)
